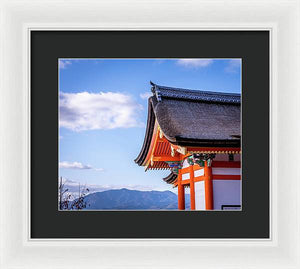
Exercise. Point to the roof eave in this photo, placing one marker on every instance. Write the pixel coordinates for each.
(148, 135)
(171, 178)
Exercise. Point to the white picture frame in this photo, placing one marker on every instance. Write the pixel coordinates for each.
(281, 18)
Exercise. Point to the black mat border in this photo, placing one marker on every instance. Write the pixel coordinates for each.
(251, 46)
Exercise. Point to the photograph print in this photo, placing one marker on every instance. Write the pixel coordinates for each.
(149, 134)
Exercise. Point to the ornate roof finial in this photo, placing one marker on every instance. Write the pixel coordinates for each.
(155, 90)
(153, 87)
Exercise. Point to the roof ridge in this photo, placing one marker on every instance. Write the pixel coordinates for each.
(197, 91)
(180, 93)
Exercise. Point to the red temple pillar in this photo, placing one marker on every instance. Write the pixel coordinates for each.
(192, 187)
(208, 185)
(181, 200)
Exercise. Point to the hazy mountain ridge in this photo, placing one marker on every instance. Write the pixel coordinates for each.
(124, 199)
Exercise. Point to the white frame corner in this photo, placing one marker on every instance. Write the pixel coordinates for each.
(280, 17)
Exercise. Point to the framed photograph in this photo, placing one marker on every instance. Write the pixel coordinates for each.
(194, 135)
(101, 140)
(129, 139)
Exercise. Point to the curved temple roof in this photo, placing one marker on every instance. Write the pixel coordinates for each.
(171, 178)
(193, 118)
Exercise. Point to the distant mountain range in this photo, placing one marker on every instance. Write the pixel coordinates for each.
(124, 199)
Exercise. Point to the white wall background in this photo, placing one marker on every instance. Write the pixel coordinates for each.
(226, 171)
(226, 192)
(185, 176)
(199, 173)
(199, 195)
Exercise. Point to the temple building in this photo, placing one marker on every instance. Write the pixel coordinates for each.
(197, 136)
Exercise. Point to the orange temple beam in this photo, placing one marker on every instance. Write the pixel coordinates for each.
(192, 188)
(208, 186)
(165, 158)
(181, 198)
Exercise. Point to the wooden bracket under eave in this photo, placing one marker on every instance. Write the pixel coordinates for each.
(179, 149)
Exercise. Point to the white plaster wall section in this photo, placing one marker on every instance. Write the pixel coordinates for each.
(199, 173)
(226, 171)
(185, 176)
(199, 195)
(226, 192)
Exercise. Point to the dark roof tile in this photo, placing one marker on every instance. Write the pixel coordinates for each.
(171, 178)
(162, 92)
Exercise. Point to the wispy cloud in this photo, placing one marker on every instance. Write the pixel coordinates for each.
(93, 111)
(145, 95)
(77, 165)
(233, 66)
(99, 169)
(158, 61)
(63, 64)
(195, 63)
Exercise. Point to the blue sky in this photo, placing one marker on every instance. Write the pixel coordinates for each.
(103, 114)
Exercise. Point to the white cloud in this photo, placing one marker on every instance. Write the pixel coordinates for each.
(195, 63)
(146, 95)
(63, 64)
(99, 169)
(74, 165)
(77, 165)
(93, 111)
(233, 66)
